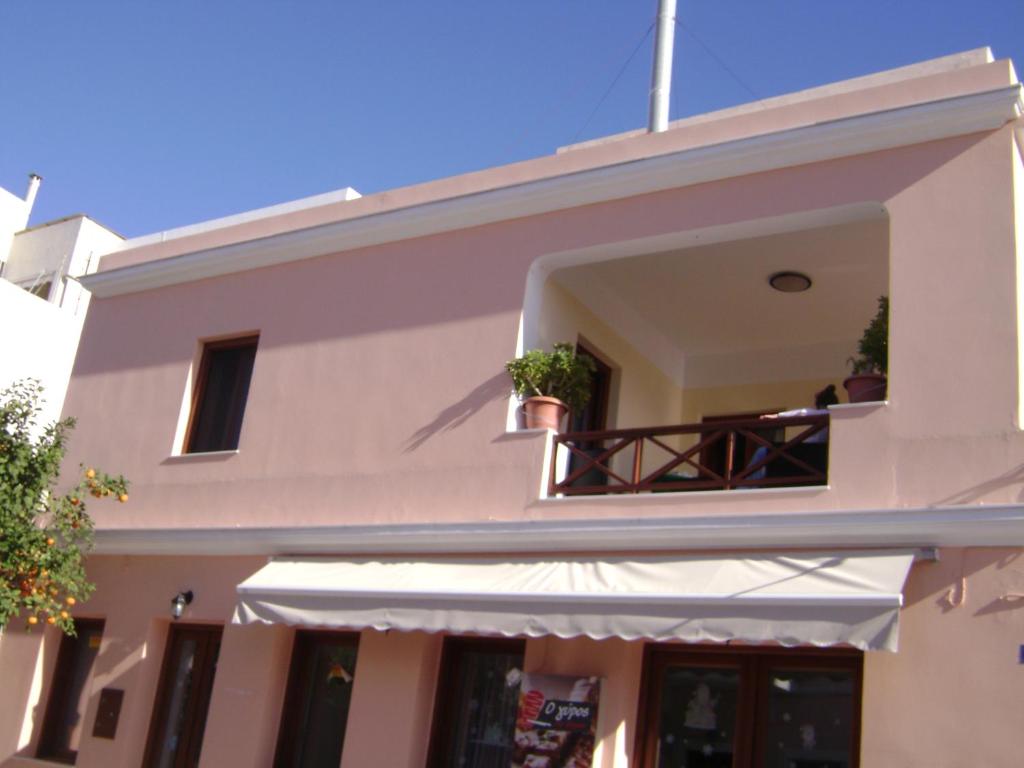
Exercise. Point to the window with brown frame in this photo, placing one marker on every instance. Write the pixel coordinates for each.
(316, 702)
(62, 725)
(475, 707)
(749, 708)
(221, 389)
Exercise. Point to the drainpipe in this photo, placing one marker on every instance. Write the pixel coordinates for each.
(661, 71)
(34, 179)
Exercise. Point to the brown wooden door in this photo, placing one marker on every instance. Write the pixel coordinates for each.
(63, 726)
(183, 697)
(594, 415)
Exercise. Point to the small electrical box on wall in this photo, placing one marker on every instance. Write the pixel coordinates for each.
(107, 713)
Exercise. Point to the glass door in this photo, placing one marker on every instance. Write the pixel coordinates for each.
(183, 697)
(316, 704)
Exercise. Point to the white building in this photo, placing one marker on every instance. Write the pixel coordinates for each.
(42, 306)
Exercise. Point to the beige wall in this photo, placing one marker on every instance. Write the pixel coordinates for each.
(763, 397)
(642, 395)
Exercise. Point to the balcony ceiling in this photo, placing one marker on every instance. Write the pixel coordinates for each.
(715, 300)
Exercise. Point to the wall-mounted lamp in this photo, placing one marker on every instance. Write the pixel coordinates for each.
(790, 282)
(179, 602)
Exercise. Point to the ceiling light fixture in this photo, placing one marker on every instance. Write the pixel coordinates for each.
(790, 282)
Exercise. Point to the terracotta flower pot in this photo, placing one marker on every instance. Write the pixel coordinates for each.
(544, 413)
(865, 387)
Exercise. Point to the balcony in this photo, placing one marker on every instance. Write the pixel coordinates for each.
(716, 456)
(695, 345)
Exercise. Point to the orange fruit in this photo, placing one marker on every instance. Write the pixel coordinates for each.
(33, 620)
(70, 601)
(123, 498)
(90, 473)
(64, 614)
(51, 620)
(50, 542)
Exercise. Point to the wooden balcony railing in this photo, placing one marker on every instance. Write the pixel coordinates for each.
(719, 455)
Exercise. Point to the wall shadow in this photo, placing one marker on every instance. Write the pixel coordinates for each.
(975, 492)
(494, 388)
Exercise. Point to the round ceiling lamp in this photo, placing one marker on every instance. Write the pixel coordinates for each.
(790, 282)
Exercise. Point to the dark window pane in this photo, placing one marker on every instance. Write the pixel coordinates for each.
(698, 717)
(810, 718)
(477, 707)
(317, 703)
(223, 380)
(183, 697)
(746, 709)
(62, 727)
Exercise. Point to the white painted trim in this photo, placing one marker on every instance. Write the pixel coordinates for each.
(975, 526)
(838, 138)
(292, 206)
(199, 456)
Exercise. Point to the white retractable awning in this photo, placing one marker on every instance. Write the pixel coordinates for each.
(821, 599)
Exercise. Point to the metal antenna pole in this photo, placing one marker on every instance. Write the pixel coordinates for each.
(661, 72)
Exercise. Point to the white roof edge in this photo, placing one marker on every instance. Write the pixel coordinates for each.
(961, 526)
(844, 137)
(314, 201)
(961, 60)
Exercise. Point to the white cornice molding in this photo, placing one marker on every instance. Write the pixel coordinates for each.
(963, 526)
(824, 141)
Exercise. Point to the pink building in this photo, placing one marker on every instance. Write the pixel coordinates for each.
(373, 561)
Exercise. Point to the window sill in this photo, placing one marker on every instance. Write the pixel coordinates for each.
(200, 458)
(852, 408)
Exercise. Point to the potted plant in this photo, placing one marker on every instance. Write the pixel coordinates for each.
(550, 383)
(868, 382)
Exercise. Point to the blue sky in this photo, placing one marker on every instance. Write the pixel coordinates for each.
(150, 115)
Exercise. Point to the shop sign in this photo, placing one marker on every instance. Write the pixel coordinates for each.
(556, 722)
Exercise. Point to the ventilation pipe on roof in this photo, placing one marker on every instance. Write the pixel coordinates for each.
(34, 180)
(661, 72)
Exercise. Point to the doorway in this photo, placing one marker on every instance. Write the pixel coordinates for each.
(183, 697)
(591, 417)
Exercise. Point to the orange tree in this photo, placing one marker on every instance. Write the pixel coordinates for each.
(44, 535)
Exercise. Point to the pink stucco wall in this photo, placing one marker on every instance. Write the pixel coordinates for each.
(957, 664)
(378, 394)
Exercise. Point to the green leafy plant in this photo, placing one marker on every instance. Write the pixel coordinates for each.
(560, 373)
(43, 535)
(873, 347)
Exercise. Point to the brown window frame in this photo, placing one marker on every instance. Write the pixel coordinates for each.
(297, 688)
(753, 663)
(59, 700)
(199, 392)
(207, 652)
(445, 705)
